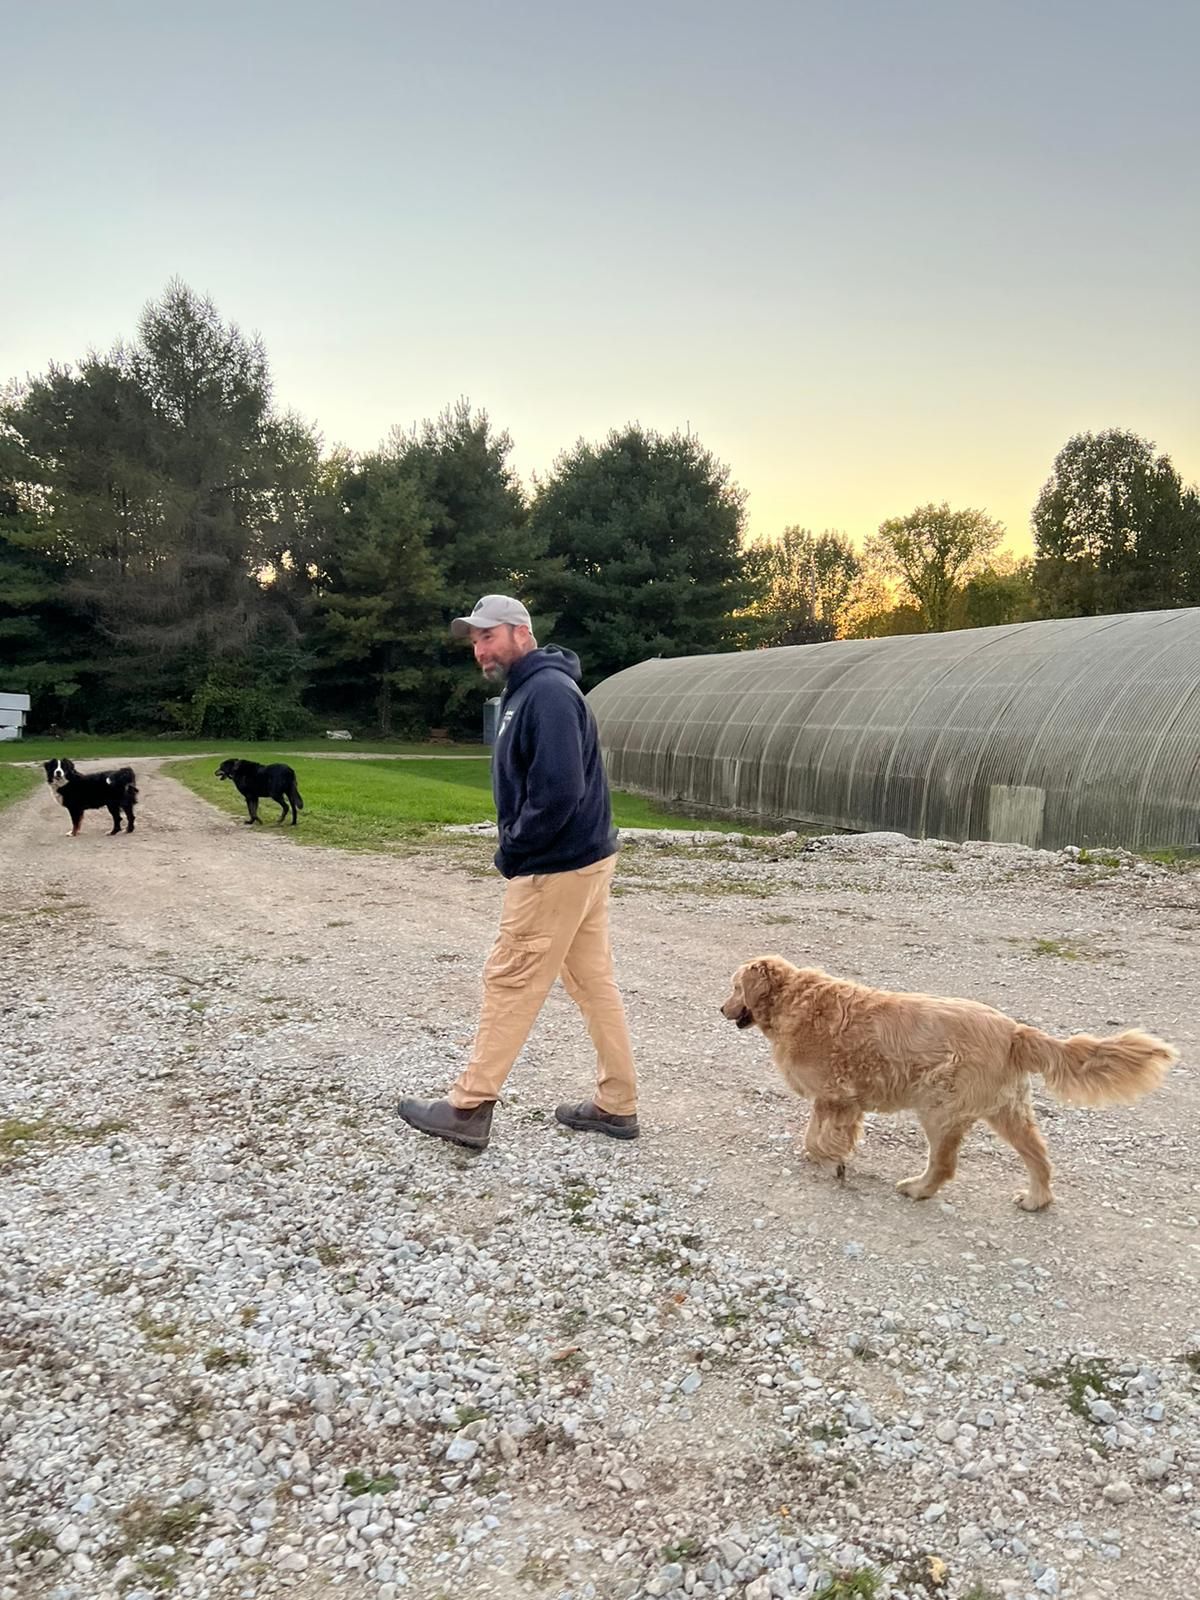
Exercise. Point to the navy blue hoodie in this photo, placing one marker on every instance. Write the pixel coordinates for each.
(548, 776)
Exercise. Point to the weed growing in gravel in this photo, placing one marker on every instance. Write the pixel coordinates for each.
(978, 1592)
(143, 1523)
(18, 1135)
(218, 1359)
(1191, 1359)
(32, 1542)
(360, 1482)
(861, 1585)
(155, 1573)
(685, 1549)
(730, 1317)
(1077, 1377)
(835, 1428)
(570, 1361)
(539, 1572)
(161, 1336)
(577, 1199)
(39, 913)
(192, 1411)
(170, 1525)
(1056, 947)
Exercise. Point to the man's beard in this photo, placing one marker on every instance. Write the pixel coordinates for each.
(495, 673)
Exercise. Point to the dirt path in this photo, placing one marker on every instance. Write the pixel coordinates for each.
(168, 970)
(375, 940)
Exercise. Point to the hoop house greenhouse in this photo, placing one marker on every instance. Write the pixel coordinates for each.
(1082, 731)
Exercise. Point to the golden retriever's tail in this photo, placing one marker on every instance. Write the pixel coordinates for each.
(1085, 1071)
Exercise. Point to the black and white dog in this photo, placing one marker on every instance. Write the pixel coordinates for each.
(254, 782)
(93, 791)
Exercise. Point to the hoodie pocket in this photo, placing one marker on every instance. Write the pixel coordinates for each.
(515, 958)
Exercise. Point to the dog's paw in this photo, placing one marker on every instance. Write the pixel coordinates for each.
(914, 1188)
(1032, 1202)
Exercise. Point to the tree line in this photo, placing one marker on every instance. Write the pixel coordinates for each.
(179, 554)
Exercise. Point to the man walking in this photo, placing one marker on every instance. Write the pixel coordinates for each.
(558, 852)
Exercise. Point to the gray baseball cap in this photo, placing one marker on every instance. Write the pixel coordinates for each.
(491, 612)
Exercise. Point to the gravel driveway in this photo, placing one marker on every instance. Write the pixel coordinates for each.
(257, 1338)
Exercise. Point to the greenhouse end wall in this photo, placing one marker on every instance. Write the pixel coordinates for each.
(1081, 731)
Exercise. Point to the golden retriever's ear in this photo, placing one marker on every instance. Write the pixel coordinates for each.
(756, 983)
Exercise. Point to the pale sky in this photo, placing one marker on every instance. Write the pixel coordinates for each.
(875, 254)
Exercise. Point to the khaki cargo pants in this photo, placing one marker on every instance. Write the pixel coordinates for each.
(554, 925)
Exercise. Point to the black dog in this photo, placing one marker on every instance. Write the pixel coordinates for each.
(255, 782)
(90, 791)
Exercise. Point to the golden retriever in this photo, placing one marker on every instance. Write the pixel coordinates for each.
(852, 1049)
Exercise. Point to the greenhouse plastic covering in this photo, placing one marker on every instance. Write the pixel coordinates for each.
(1080, 731)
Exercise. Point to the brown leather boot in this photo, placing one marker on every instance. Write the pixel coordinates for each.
(588, 1118)
(471, 1129)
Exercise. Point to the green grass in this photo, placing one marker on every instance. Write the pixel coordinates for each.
(371, 805)
(17, 1134)
(1056, 947)
(99, 746)
(1184, 856)
(19, 1137)
(635, 811)
(14, 783)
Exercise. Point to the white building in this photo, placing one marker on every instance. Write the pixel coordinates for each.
(13, 710)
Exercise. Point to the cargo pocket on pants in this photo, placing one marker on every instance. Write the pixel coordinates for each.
(515, 958)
